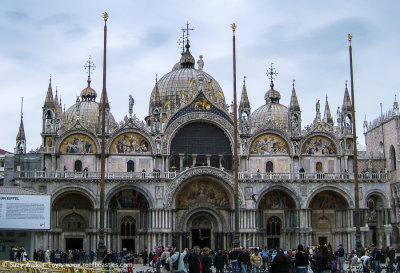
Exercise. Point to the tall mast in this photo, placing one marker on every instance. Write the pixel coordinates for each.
(236, 239)
(355, 157)
(101, 245)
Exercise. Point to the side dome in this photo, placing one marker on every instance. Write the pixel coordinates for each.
(278, 114)
(88, 114)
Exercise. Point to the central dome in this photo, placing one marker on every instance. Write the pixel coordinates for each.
(179, 86)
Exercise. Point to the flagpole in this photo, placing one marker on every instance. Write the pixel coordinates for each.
(236, 237)
(101, 245)
(355, 157)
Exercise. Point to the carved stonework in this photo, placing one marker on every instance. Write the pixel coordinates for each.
(199, 208)
(194, 172)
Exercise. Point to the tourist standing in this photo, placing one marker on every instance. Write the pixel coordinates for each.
(244, 260)
(220, 260)
(301, 260)
(256, 261)
(339, 253)
(194, 261)
(206, 261)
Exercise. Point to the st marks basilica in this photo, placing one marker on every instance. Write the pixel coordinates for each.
(169, 178)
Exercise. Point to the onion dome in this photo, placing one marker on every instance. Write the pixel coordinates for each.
(88, 107)
(277, 113)
(272, 111)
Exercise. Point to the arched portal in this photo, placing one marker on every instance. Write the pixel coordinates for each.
(330, 215)
(203, 230)
(375, 218)
(279, 217)
(128, 212)
(205, 143)
(73, 211)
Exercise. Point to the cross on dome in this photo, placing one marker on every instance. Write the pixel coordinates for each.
(271, 72)
(89, 66)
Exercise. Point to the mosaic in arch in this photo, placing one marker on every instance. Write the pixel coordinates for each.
(78, 144)
(269, 144)
(130, 143)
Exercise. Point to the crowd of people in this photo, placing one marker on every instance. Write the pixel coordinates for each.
(317, 259)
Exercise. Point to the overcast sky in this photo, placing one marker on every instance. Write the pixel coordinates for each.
(306, 40)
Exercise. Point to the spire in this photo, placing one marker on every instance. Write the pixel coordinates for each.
(49, 101)
(327, 115)
(346, 100)
(57, 104)
(294, 104)
(395, 105)
(244, 100)
(157, 99)
(21, 131)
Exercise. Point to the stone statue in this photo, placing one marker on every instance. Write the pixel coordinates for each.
(338, 114)
(158, 145)
(200, 63)
(295, 124)
(317, 107)
(172, 160)
(131, 102)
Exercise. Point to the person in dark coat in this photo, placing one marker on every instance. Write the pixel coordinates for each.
(301, 260)
(244, 260)
(280, 264)
(206, 261)
(194, 261)
(220, 260)
(322, 262)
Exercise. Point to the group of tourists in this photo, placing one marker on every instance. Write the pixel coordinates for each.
(317, 259)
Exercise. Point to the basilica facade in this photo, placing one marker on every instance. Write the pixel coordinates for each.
(169, 178)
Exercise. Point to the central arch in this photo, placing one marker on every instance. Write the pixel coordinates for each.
(213, 174)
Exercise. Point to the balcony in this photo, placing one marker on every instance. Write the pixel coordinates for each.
(312, 177)
(58, 176)
(243, 176)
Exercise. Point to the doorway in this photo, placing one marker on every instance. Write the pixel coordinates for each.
(201, 237)
(128, 244)
(322, 240)
(273, 243)
(73, 243)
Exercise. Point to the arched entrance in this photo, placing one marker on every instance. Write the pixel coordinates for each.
(203, 205)
(376, 220)
(73, 212)
(330, 215)
(202, 228)
(279, 219)
(128, 212)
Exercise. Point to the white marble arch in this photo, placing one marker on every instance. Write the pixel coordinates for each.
(57, 192)
(192, 173)
(336, 189)
(266, 189)
(143, 190)
(378, 193)
(219, 219)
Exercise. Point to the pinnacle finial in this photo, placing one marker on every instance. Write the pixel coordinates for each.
(293, 83)
(105, 16)
(244, 80)
(346, 84)
(89, 66)
(271, 72)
